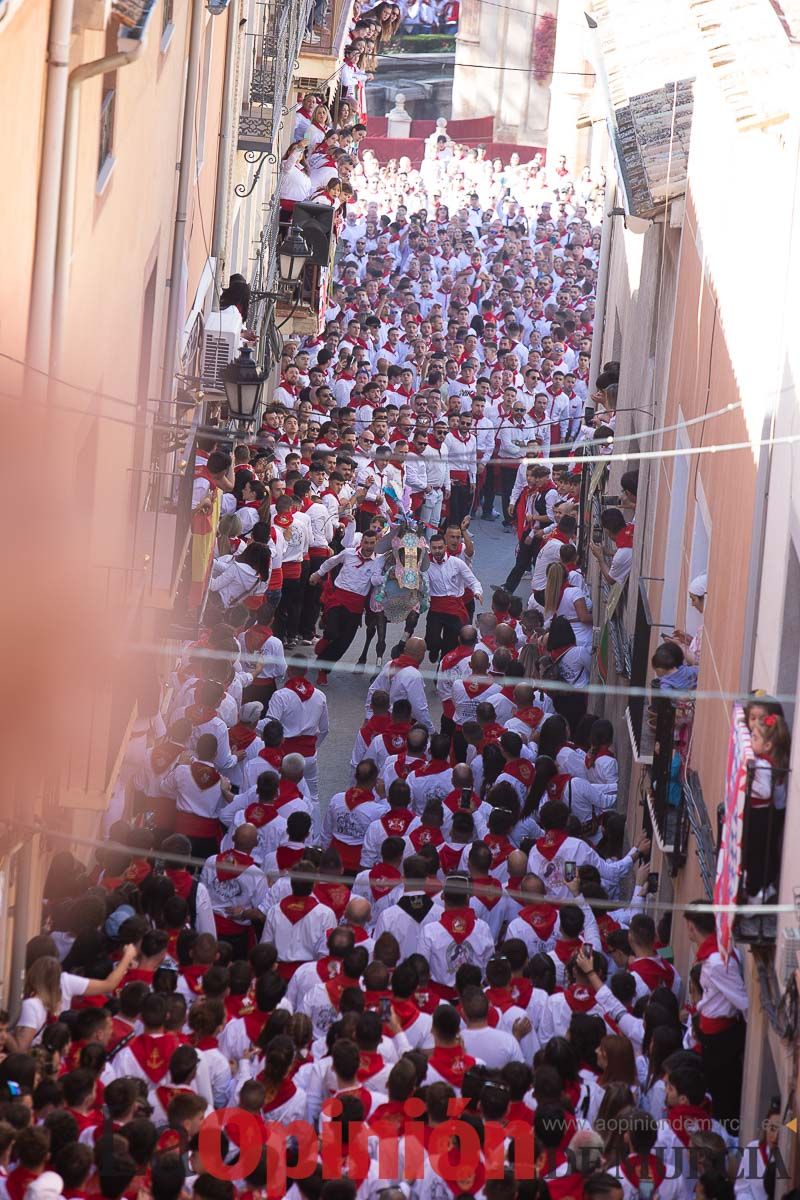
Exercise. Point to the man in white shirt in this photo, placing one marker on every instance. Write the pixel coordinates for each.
(457, 937)
(437, 468)
(495, 1047)
(448, 580)
(462, 451)
(350, 813)
(302, 710)
(359, 569)
(402, 679)
(298, 926)
(237, 888)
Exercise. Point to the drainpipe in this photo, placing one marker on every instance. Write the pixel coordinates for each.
(601, 291)
(226, 130)
(66, 208)
(37, 351)
(185, 168)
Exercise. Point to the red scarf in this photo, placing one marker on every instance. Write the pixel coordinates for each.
(686, 1119)
(204, 775)
(232, 863)
(383, 878)
(476, 687)
(500, 847)
(375, 726)
(437, 766)
(489, 892)
(18, 1182)
(163, 756)
(287, 857)
(502, 998)
(579, 999)
(294, 908)
(334, 895)
(287, 791)
(451, 1062)
(153, 1051)
(370, 1064)
(397, 821)
(256, 636)
(194, 977)
(301, 687)
(541, 918)
(549, 845)
(521, 769)
(404, 660)
(654, 971)
(459, 923)
(286, 1089)
(403, 765)
(598, 752)
(565, 948)
(706, 948)
(272, 755)
(531, 716)
(259, 814)
(356, 796)
(632, 1165)
(624, 539)
(167, 1093)
(454, 657)
(240, 737)
(426, 835)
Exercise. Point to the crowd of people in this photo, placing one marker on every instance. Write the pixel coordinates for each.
(459, 926)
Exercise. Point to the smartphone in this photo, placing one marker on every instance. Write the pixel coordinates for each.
(385, 1008)
(570, 871)
(652, 883)
(466, 798)
(588, 947)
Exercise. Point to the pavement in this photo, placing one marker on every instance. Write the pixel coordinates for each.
(346, 691)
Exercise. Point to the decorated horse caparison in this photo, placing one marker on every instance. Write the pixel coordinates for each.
(402, 595)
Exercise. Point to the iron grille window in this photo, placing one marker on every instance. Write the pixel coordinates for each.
(167, 15)
(107, 110)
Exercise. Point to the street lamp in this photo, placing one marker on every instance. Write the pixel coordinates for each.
(243, 384)
(293, 254)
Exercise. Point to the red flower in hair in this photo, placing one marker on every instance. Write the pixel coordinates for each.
(770, 720)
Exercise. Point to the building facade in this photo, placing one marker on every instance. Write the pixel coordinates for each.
(693, 153)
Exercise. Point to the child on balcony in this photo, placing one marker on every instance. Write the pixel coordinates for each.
(771, 743)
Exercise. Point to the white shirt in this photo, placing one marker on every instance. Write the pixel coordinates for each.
(247, 889)
(405, 927)
(357, 573)
(446, 955)
(300, 718)
(34, 1015)
(452, 577)
(494, 1047)
(302, 941)
(405, 684)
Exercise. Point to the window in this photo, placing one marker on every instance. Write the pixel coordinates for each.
(167, 24)
(208, 47)
(108, 112)
(789, 659)
(677, 519)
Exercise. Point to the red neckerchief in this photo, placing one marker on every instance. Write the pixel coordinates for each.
(370, 1064)
(232, 863)
(530, 716)
(598, 752)
(541, 918)
(565, 948)
(631, 1169)
(328, 967)
(492, 732)
(451, 1062)
(153, 1051)
(391, 1113)
(606, 925)
(272, 755)
(204, 775)
(489, 892)
(624, 539)
(476, 687)
(18, 1181)
(549, 845)
(334, 895)
(454, 657)
(459, 923)
(240, 737)
(287, 857)
(403, 765)
(500, 847)
(654, 971)
(164, 754)
(286, 1089)
(259, 814)
(284, 521)
(182, 880)
(686, 1119)
(254, 1023)
(166, 1093)
(522, 990)
(437, 766)
(301, 687)
(291, 388)
(426, 835)
(521, 769)
(294, 908)
(361, 1093)
(502, 998)
(579, 998)
(453, 801)
(193, 976)
(374, 726)
(287, 791)
(397, 821)
(471, 1182)
(406, 1012)
(383, 878)
(706, 948)
(138, 870)
(402, 661)
(356, 796)
(555, 788)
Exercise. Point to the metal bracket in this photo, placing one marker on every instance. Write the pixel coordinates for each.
(254, 156)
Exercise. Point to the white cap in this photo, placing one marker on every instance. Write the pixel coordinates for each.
(699, 585)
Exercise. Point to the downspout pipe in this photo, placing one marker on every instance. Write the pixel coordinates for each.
(601, 291)
(185, 170)
(66, 207)
(226, 132)
(37, 350)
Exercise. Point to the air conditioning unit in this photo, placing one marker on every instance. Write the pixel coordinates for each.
(221, 338)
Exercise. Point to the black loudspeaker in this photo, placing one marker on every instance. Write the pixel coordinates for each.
(316, 223)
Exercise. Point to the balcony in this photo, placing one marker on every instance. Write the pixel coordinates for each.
(761, 842)
(268, 57)
(322, 53)
(305, 311)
